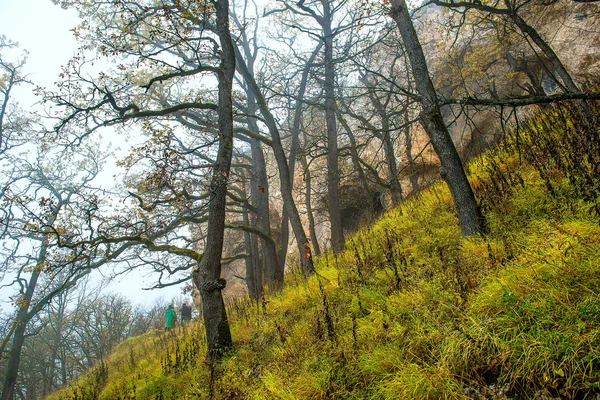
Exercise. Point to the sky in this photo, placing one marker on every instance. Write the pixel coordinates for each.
(43, 29)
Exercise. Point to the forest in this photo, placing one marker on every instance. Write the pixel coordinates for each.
(365, 200)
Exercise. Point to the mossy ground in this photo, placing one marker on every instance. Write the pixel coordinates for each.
(410, 309)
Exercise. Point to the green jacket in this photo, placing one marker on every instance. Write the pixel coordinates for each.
(170, 318)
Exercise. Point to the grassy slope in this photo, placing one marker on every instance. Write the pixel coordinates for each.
(412, 310)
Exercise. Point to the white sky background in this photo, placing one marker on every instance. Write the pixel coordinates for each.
(43, 29)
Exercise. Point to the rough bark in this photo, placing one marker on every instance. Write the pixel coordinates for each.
(208, 275)
(452, 171)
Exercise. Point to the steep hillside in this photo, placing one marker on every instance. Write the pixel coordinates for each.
(410, 310)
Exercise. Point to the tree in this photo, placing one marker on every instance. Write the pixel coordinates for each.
(259, 185)
(48, 205)
(513, 11)
(282, 164)
(103, 323)
(452, 171)
(12, 119)
(168, 46)
(323, 13)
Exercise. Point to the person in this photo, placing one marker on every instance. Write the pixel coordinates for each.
(186, 313)
(170, 317)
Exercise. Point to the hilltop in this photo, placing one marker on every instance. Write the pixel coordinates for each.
(410, 309)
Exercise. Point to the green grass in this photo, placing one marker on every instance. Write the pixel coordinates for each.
(410, 309)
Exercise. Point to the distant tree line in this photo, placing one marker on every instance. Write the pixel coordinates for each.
(75, 332)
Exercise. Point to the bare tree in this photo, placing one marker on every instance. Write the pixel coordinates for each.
(469, 214)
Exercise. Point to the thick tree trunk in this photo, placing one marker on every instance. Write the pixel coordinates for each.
(274, 271)
(282, 165)
(208, 275)
(452, 170)
(14, 357)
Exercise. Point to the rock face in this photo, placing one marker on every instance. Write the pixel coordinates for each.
(483, 66)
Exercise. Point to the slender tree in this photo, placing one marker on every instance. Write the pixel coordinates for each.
(452, 171)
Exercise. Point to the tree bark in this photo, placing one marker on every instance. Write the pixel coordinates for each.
(274, 271)
(253, 270)
(208, 275)
(452, 171)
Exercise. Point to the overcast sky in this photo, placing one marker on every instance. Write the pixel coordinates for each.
(43, 29)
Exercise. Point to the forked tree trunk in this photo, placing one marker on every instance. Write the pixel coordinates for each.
(274, 271)
(452, 171)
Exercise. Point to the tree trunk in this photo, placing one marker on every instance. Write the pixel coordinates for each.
(414, 178)
(208, 275)
(296, 124)
(282, 165)
(333, 174)
(21, 320)
(316, 249)
(388, 147)
(274, 271)
(452, 171)
(253, 269)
